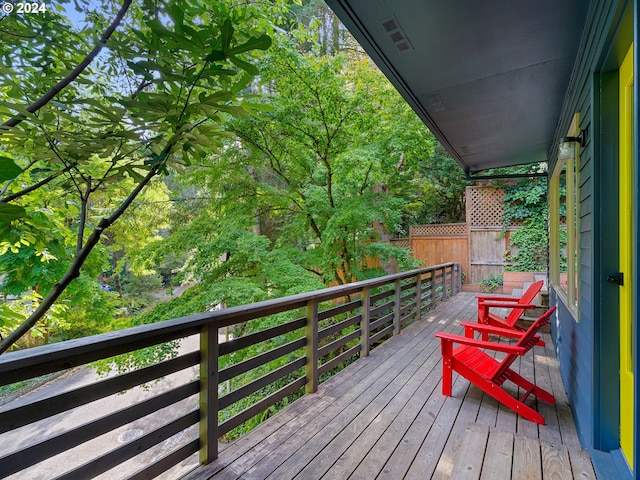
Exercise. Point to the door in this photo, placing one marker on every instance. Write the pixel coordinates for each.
(626, 207)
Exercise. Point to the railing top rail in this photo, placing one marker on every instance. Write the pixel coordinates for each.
(71, 353)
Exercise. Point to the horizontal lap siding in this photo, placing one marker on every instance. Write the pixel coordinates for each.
(574, 338)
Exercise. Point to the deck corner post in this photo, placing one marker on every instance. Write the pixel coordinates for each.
(208, 402)
(418, 299)
(312, 347)
(397, 298)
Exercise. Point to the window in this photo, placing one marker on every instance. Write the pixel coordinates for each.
(564, 219)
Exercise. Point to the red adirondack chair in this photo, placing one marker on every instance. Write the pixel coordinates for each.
(517, 306)
(488, 373)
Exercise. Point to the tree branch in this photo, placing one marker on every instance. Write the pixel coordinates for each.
(74, 269)
(47, 97)
(83, 215)
(35, 186)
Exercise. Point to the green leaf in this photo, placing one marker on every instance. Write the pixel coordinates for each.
(177, 15)
(257, 107)
(7, 314)
(242, 83)
(158, 28)
(234, 110)
(262, 42)
(8, 169)
(9, 212)
(227, 34)
(215, 56)
(221, 96)
(246, 66)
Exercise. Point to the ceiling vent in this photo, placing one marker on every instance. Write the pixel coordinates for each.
(396, 34)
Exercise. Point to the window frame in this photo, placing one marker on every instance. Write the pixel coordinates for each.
(569, 165)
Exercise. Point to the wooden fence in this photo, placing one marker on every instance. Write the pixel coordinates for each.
(478, 245)
(326, 329)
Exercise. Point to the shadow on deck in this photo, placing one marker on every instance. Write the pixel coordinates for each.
(385, 417)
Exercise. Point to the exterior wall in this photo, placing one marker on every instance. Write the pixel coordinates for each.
(586, 343)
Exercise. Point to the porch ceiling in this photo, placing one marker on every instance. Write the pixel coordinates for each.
(488, 78)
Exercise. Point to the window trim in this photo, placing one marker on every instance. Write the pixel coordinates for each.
(570, 166)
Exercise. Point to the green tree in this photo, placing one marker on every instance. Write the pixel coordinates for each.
(322, 160)
(75, 124)
(438, 193)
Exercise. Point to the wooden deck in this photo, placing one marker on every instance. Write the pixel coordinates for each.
(385, 417)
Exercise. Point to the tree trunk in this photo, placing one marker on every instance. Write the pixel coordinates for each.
(390, 265)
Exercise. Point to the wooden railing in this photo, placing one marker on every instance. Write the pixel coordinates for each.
(330, 328)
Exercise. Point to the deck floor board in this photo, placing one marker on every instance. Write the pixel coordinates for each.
(384, 417)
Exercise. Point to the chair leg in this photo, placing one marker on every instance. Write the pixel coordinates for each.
(530, 388)
(447, 375)
(514, 404)
(446, 349)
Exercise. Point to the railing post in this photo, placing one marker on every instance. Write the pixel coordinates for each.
(312, 346)
(443, 284)
(208, 402)
(365, 311)
(458, 278)
(418, 301)
(396, 307)
(433, 289)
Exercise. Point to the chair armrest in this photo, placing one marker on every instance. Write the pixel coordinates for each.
(484, 328)
(495, 346)
(508, 305)
(497, 297)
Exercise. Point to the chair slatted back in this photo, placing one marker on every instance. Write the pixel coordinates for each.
(526, 299)
(528, 340)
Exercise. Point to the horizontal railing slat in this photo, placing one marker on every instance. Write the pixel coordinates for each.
(259, 360)
(334, 362)
(407, 318)
(406, 308)
(261, 382)
(252, 411)
(165, 463)
(338, 327)
(382, 308)
(248, 340)
(29, 456)
(26, 414)
(406, 286)
(346, 307)
(381, 321)
(382, 333)
(131, 449)
(382, 295)
(336, 344)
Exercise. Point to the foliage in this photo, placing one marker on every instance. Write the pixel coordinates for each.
(530, 243)
(525, 201)
(154, 99)
(491, 283)
(438, 193)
